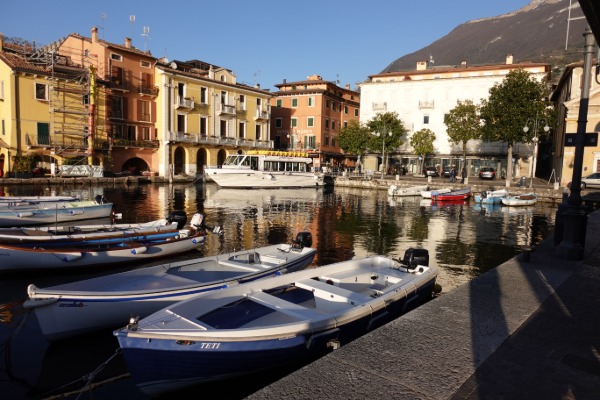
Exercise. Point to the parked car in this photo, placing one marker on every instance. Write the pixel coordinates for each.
(446, 171)
(430, 171)
(592, 181)
(487, 173)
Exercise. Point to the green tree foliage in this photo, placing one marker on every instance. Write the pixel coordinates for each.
(463, 124)
(422, 142)
(354, 138)
(514, 101)
(384, 124)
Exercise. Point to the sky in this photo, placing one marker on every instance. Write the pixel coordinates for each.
(262, 41)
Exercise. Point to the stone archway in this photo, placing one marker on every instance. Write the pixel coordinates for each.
(179, 161)
(201, 160)
(135, 166)
(221, 156)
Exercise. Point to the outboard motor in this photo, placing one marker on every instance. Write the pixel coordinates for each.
(197, 221)
(100, 199)
(177, 216)
(304, 239)
(415, 256)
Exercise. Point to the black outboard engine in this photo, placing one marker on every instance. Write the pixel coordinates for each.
(100, 199)
(177, 216)
(303, 239)
(415, 256)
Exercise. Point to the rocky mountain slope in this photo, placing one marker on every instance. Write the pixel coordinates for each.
(536, 32)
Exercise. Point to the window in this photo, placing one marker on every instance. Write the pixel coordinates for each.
(131, 132)
(345, 109)
(41, 91)
(146, 80)
(144, 111)
(145, 64)
(116, 75)
(203, 95)
(311, 101)
(279, 103)
(326, 123)
(203, 126)
(333, 125)
(116, 57)
(1, 90)
(326, 140)
(116, 107)
(310, 142)
(145, 133)
(327, 103)
(356, 112)
(3, 128)
(333, 142)
(117, 131)
(333, 105)
(258, 132)
(294, 122)
(258, 104)
(85, 99)
(278, 122)
(310, 122)
(294, 102)
(242, 130)
(426, 119)
(345, 124)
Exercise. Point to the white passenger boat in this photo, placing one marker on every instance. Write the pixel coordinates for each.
(27, 200)
(109, 301)
(269, 323)
(54, 212)
(267, 169)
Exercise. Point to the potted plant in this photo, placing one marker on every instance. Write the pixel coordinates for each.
(22, 166)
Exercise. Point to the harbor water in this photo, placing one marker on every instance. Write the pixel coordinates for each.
(464, 240)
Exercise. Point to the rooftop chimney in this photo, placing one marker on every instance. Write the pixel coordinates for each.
(463, 64)
(128, 42)
(1, 43)
(509, 59)
(348, 86)
(421, 65)
(284, 81)
(94, 34)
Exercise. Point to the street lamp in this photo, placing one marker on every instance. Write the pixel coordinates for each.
(536, 124)
(383, 160)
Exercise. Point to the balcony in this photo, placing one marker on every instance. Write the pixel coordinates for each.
(194, 138)
(262, 115)
(426, 104)
(140, 144)
(148, 90)
(119, 84)
(186, 103)
(226, 110)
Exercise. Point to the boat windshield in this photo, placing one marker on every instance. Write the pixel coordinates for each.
(234, 160)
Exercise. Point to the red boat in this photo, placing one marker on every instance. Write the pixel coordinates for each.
(455, 195)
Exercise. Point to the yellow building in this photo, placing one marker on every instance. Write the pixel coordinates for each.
(567, 97)
(203, 115)
(44, 110)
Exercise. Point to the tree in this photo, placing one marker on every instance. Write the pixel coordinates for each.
(354, 138)
(517, 99)
(463, 124)
(390, 129)
(422, 143)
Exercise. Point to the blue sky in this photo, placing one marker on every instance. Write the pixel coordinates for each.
(262, 41)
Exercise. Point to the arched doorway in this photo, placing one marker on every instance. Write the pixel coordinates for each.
(135, 166)
(201, 157)
(221, 155)
(178, 161)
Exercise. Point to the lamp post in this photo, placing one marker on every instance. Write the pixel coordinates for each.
(536, 124)
(383, 161)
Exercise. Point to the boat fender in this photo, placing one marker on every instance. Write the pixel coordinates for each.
(76, 212)
(24, 214)
(139, 250)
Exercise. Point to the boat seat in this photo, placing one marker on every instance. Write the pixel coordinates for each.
(325, 290)
(287, 307)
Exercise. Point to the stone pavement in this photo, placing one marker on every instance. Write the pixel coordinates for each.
(525, 330)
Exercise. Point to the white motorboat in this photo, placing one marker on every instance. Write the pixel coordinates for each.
(108, 301)
(395, 190)
(528, 199)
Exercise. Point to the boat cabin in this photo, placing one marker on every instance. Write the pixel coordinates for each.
(268, 163)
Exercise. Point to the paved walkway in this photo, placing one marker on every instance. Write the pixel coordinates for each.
(525, 330)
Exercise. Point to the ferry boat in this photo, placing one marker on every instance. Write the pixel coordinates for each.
(267, 169)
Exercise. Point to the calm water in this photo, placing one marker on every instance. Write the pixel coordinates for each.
(464, 240)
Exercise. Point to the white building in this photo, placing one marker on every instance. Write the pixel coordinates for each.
(422, 98)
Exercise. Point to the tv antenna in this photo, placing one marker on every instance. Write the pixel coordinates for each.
(103, 16)
(131, 22)
(146, 34)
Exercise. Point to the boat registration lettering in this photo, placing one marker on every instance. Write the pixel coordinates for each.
(209, 346)
(74, 304)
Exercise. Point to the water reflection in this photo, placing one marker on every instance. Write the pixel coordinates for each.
(464, 240)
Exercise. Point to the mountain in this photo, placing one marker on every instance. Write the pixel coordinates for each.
(536, 32)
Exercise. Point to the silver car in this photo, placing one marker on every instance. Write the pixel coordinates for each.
(592, 180)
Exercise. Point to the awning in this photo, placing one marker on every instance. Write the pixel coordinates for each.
(5, 145)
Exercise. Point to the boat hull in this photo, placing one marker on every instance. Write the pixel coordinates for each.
(406, 191)
(52, 213)
(491, 197)
(520, 201)
(258, 179)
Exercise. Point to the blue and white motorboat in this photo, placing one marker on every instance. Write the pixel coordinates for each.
(491, 196)
(271, 322)
(107, 301)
